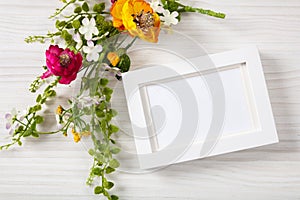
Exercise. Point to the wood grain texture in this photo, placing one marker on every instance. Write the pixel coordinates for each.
(55, 168)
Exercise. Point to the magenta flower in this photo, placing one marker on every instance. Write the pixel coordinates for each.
(63, 63)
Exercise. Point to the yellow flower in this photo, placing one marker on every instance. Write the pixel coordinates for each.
(59, 110)
(76, 135)
(76, 138)
(137, 17)
(113, 58)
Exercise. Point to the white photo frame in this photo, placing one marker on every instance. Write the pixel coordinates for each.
(248, 115)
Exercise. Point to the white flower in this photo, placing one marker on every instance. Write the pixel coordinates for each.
(92, 51)
(78, 40)
(89, 28)
(113, 71)
(87, 101)
(156, 6)
(169, 18)
(11, 118)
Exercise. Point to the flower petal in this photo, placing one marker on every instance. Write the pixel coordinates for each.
(85, 21)
(8, 126)
(8, 116)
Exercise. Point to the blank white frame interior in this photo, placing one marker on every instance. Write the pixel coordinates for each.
(248, 115)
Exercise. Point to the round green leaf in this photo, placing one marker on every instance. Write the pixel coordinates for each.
(77, 9)
(114, 163)
(98, 190)
(85, 7)
(76, 24)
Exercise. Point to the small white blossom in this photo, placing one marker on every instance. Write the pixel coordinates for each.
(92, 51)
(89, 28)
(169, 18)
(157, 6)
(113, 71)
(87, 101)
(78, 40)
(10, 120)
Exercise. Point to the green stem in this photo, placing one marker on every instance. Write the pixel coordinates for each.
(131, 43)
(59, 11)
(203, 11)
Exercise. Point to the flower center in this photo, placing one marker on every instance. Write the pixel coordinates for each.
(143, 20)
(64, 60)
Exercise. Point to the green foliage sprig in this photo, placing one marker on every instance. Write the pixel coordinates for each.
(27, 126)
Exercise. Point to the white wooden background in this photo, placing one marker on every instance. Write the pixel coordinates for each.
(55, 168)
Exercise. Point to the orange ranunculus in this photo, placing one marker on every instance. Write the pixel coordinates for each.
(137, 17)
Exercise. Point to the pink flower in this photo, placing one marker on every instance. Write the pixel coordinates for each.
(63, 63)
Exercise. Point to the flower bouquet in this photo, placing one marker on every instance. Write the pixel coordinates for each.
(92, 41)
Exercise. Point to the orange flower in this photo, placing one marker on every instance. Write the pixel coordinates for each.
(137, 17)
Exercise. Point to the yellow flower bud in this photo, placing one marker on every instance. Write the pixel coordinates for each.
(113, 58)
(59, 110)
(76, 138)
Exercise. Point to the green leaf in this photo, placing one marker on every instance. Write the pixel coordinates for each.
(85, 7)
(114, 197)
(109, 170)
(39, 98)
(68, 37)
(102, 147)
(113, 128)
(99, 7)
(77, 9)
(98, 190)
(76, 24)
(37, 108)
(39, 119)
(20, 129)
(61, 23)
(103, 125)
(112, 141)
(27, 133)
(100, 157)
(108, 185)
(57, 24)
(69, 26)
(107, 91)
(124, 64)
(91, 152)
(19, 143)
(115, 150)
(113, 112)
(35, 134)
(114, 163)
(97, 171)
(101, 106)
(99, 113)
(103, 82)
